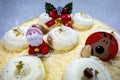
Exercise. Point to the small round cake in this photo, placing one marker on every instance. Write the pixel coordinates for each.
(62, 38)
(82, 21)
(15, 40)
(23, 68)
(86, 69)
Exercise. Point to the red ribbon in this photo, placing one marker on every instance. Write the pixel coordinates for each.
(65, 18)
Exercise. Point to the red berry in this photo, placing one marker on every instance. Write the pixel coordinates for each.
(64, 10)
(66, 17)
(53, 14)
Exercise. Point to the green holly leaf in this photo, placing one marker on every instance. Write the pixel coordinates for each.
(49, 7)
(69, 7)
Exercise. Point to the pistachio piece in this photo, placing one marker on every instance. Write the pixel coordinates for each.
(96, 72)
(19, 66)
(16, 31)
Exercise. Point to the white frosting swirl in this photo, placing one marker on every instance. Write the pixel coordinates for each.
(23, 68)
(82, 21)
(62, 38)
(15, 40)
(75, 68)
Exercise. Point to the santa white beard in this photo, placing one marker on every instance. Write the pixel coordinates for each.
(35, 39)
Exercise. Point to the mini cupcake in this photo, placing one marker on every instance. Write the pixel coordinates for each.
(23, 68)
(15, 40)
(82, 21)
(62, 38)
(86, 69)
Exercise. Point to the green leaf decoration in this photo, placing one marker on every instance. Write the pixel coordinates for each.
(49, 7)
(69, 7)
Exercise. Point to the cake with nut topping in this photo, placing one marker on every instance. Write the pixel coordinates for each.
(64, 38)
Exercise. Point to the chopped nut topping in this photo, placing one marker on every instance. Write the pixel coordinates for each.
(19, 66)
(88, 73)
(39, 66)
(16, 31)
(96, 72)
(61, 30)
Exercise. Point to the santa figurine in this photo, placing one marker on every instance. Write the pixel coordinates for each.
(37, 45)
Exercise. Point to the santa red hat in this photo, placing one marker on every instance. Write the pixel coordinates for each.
(34, 28)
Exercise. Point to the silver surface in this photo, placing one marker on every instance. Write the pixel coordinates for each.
(14, 12)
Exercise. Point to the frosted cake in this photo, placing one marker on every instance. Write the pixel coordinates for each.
(59, 45)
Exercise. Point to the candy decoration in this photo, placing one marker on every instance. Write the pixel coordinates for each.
(103, 44)
(59, 15)
(37, 45)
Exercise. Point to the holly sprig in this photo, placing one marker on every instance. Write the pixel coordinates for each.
(49, 7)
(69, 7)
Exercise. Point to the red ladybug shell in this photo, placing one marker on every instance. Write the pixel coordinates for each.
(112, 48)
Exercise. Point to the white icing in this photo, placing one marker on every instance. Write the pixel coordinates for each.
(15, 42)
(63, 38)
(75, 68)
(33, 69)
(82, 21)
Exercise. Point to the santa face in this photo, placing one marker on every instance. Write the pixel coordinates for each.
(34, 37)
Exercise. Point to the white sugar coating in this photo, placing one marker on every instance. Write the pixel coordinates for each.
(62, 38)
(82, 21)
(55, 65)
(15, 40)
(112, 67)
(31, 69)
(75, 69)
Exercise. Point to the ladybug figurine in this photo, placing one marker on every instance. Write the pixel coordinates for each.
(37, 45)
(103, 45)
